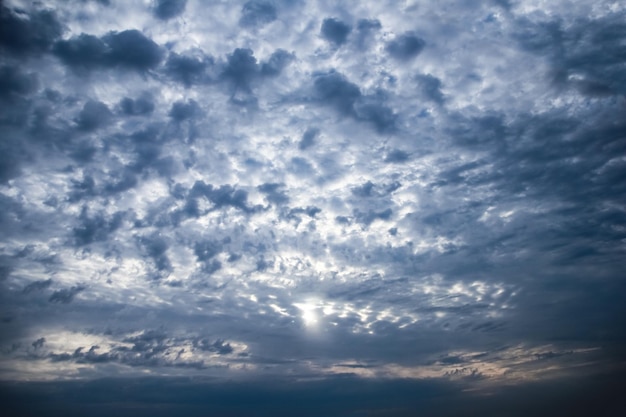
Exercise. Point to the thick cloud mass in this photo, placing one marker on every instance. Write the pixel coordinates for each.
(289, 207)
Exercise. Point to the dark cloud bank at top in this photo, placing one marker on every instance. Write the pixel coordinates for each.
(279, 208)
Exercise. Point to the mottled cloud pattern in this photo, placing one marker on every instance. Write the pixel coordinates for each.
(290, 207)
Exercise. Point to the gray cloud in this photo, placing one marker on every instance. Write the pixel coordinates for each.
(406, 46)
(66, 295)
(335, 31)
(127, 49)
(257, 13)
(141, 106)
(37, 286)
(188, 69)
(93, 115)
(167, 9)
(28, 33)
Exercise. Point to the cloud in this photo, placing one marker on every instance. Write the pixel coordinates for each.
(431, 87)
(93, 115)
(84, 52)
(181, 110)
(167, 9)
(405, 46)
(141, 106)
(241, 69)
(368, 217)
(334, 89)
(335, 31)
(66, 295)
(276, 63)
(418, 198)
(28, 33)
(188, 69)
(308, 138)
(156, 248)
(128, 49)
(39, 343)
(37, 286)
(95, 228)
(273, 193)
(218, 346)
(14, 83)
(257, 13)
(587, 55)
(396, 156)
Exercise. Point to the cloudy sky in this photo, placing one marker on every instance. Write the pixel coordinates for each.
(282, 207)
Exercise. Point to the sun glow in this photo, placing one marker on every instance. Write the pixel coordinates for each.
(309, 313)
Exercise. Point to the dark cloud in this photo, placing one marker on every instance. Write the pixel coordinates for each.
(24, 33)
(276, 63)
(431, 87)
(365, 190)
(5, 268)
(131, 49)
(335, 31)
(15, 83)
(368, 25)
(95, 228)
(39, 343)
(222, 197)
(335, 90)
(263, 265)
(11, 155)
(370, 216)
(308, 138)
(257, 13)
(167, 9)
(273, 193)
(94, 114)
(141, 106)
(310, 211)
(372, 109)
(66, 295)
(182, 110)
(588, 55)
(121, 181)
(84, 52)
(127, 49)
(396, 156)
(405, 46)
(188, 69)
(241, 68)
(351, 395)
(82, 188)
(156, 248)
(37, 286)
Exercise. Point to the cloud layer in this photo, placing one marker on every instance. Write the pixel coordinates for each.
(298, 191)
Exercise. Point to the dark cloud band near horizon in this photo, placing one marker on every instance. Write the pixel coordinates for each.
(363, 208)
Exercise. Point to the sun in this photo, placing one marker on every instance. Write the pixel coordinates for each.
(309, 314)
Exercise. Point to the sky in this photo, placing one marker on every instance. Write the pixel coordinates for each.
(290, 207)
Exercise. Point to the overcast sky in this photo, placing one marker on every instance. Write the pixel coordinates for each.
(357, 208)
